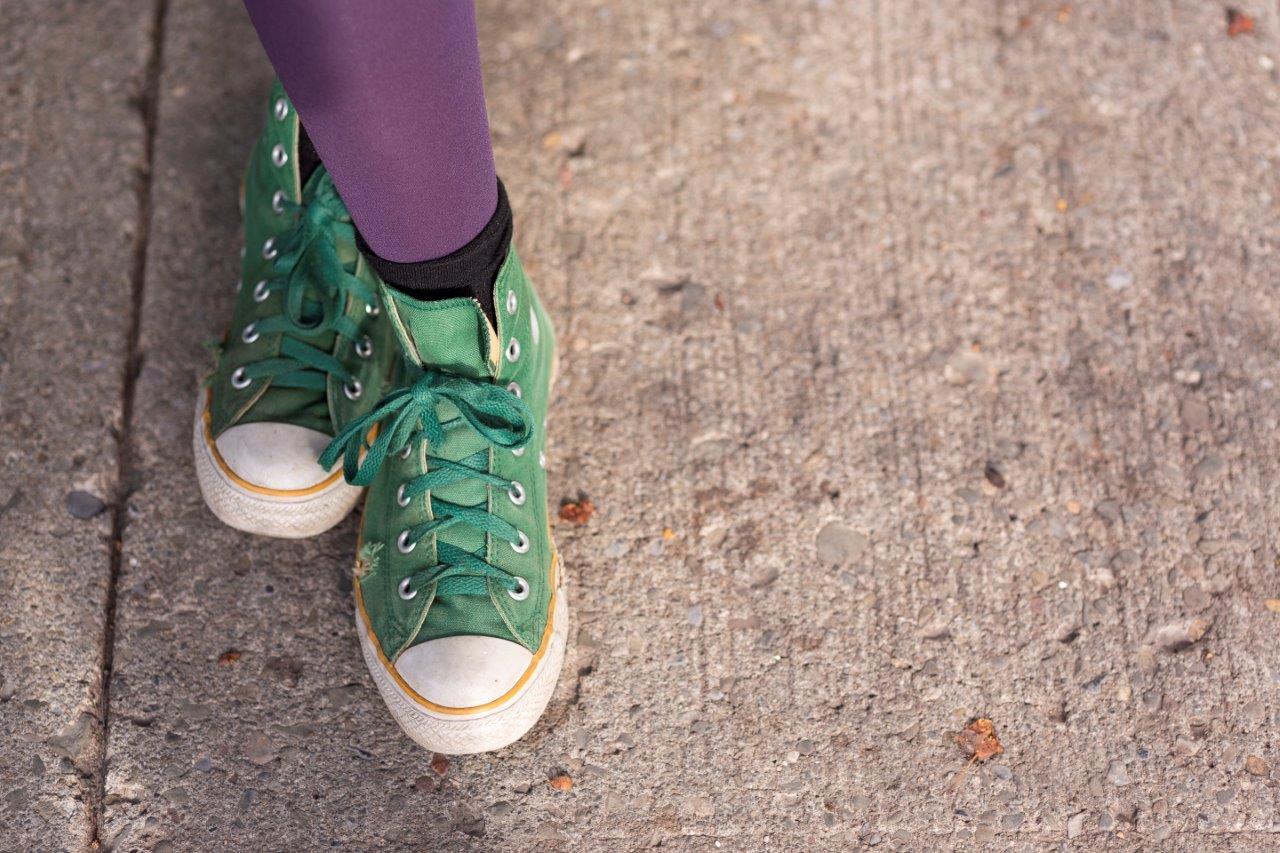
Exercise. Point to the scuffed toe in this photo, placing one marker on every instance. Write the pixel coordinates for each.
(464, 671)
(273, 455)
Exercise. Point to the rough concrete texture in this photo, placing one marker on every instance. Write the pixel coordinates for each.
(70, 149)
(919, 363)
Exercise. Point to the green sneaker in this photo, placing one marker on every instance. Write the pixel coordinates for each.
(460, 606)
(307, 351)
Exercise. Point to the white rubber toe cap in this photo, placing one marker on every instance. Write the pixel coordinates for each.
(463, 672)
(275, 456)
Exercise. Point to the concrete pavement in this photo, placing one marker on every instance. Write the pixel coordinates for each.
(918, 360)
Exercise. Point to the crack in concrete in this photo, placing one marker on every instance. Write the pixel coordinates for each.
(148, 104)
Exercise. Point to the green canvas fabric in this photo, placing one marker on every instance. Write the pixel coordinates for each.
(469, 437)
(307, 340)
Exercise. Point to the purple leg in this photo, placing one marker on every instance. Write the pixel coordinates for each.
(391, 96)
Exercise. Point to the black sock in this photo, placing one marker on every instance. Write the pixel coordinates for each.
(308, 159)
(469, 271)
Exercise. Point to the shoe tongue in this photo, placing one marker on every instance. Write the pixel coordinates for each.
(450, 335)
(307, 406)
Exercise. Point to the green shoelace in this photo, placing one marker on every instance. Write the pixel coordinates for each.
(408, 415)
(316, 286)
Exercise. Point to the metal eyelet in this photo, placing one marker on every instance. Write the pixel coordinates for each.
(261, 291)
(250, 333)
(278, 200)
(239, 380)
(364, 347)
(278, 155)
(542, 460)
(516, 492)
(514, 388)
(269, 250)
(517, 451)
(521, 546)
(405, 592)
(521, 592)
(400, 498)
(513, 350)
(512, 302)
(281, 109)
(404, 454)
(403, 543)
(373, 309)
(353, 390)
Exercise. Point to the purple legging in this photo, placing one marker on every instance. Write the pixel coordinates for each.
(391, 96)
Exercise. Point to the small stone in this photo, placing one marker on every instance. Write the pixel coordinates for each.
(840, 545)
(1177, 636)
(1210, 466)
(1117, 774)
(177, 796)
(1075, 824)
(204, 765)
(84, 505)
(1108, 511)
(764, 578)
(994, 475)
(1002, 772)
(1195, 599)
(967, 367)
(1256, 766)
(1195, 414)
(468, 823)
(1119, 279)
(694, 615)
(550, 832)
(1227, 794)
(570, 141)
(72, 740)
(936, 630)
(701, 807)
(1190, 378)
(259, 749)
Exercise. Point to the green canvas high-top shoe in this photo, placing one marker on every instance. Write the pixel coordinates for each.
(307, 352)
(460, 605)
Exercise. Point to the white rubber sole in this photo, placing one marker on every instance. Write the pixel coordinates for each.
(483, 731)
(266, 512)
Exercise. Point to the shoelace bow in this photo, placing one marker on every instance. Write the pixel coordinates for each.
(316, 285)
(410, 414)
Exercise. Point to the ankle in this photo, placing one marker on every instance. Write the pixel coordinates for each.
(469, 271)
